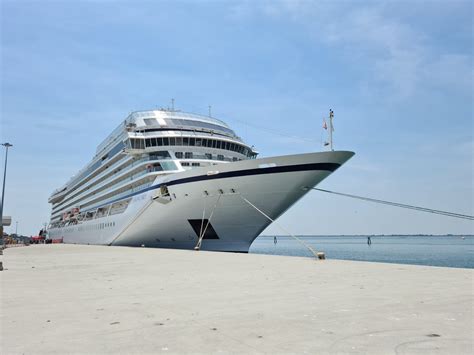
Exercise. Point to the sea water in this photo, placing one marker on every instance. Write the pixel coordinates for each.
(446, 251)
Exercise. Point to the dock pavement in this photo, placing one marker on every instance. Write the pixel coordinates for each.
(63, 299)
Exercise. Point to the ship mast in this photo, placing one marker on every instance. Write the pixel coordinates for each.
(331, 128)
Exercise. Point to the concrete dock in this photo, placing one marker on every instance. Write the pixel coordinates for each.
(91, 299)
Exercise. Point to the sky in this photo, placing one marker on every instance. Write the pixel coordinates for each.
(398, 75)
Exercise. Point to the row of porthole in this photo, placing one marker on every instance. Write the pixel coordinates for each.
(206, 193)
(96, 226)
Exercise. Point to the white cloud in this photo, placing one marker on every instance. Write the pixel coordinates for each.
(400, 58)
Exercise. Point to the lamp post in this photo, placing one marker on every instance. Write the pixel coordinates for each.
(6, 145)
(16, 229)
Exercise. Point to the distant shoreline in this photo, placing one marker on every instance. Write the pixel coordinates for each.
(367, 235)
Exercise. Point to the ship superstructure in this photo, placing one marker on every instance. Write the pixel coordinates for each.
(166, 178)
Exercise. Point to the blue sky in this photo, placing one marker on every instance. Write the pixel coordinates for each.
(399, 76)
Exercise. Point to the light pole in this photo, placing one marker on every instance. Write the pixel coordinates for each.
(6, 145)
(16, 229)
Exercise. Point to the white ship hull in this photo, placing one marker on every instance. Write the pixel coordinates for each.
(216, 194)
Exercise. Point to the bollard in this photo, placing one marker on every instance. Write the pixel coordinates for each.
(321, 256)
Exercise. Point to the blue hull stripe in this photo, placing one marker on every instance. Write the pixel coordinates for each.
(229, 174)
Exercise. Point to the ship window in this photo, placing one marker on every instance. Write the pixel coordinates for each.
(136, 143)
(116, 149)
(183, 163)
(172, 141)
(179, 141)
(198, 142)
(185, 141)
(188, 155)
(234, 159)
(204, 142)
(163, 154)
(148, 142)
(150, 121)
(220, 157)
(214, 143)
(159, 141)
(196, 164)
(209, 156)
(166, 141)
(155, 167)
(192, 141)
(179, 155)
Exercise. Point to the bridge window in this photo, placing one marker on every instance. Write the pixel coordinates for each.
(179, 155)
(188, 155)
(160, 155)
(137, 143)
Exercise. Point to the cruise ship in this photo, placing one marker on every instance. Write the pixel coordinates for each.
(169, 179)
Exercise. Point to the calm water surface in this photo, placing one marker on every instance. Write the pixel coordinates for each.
(448, 251)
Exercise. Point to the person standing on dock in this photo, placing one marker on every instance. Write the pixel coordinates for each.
(275, 240)
(369, 241)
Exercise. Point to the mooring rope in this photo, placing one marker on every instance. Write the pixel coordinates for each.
(272, 220)
(201, 236)
(401, 205)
